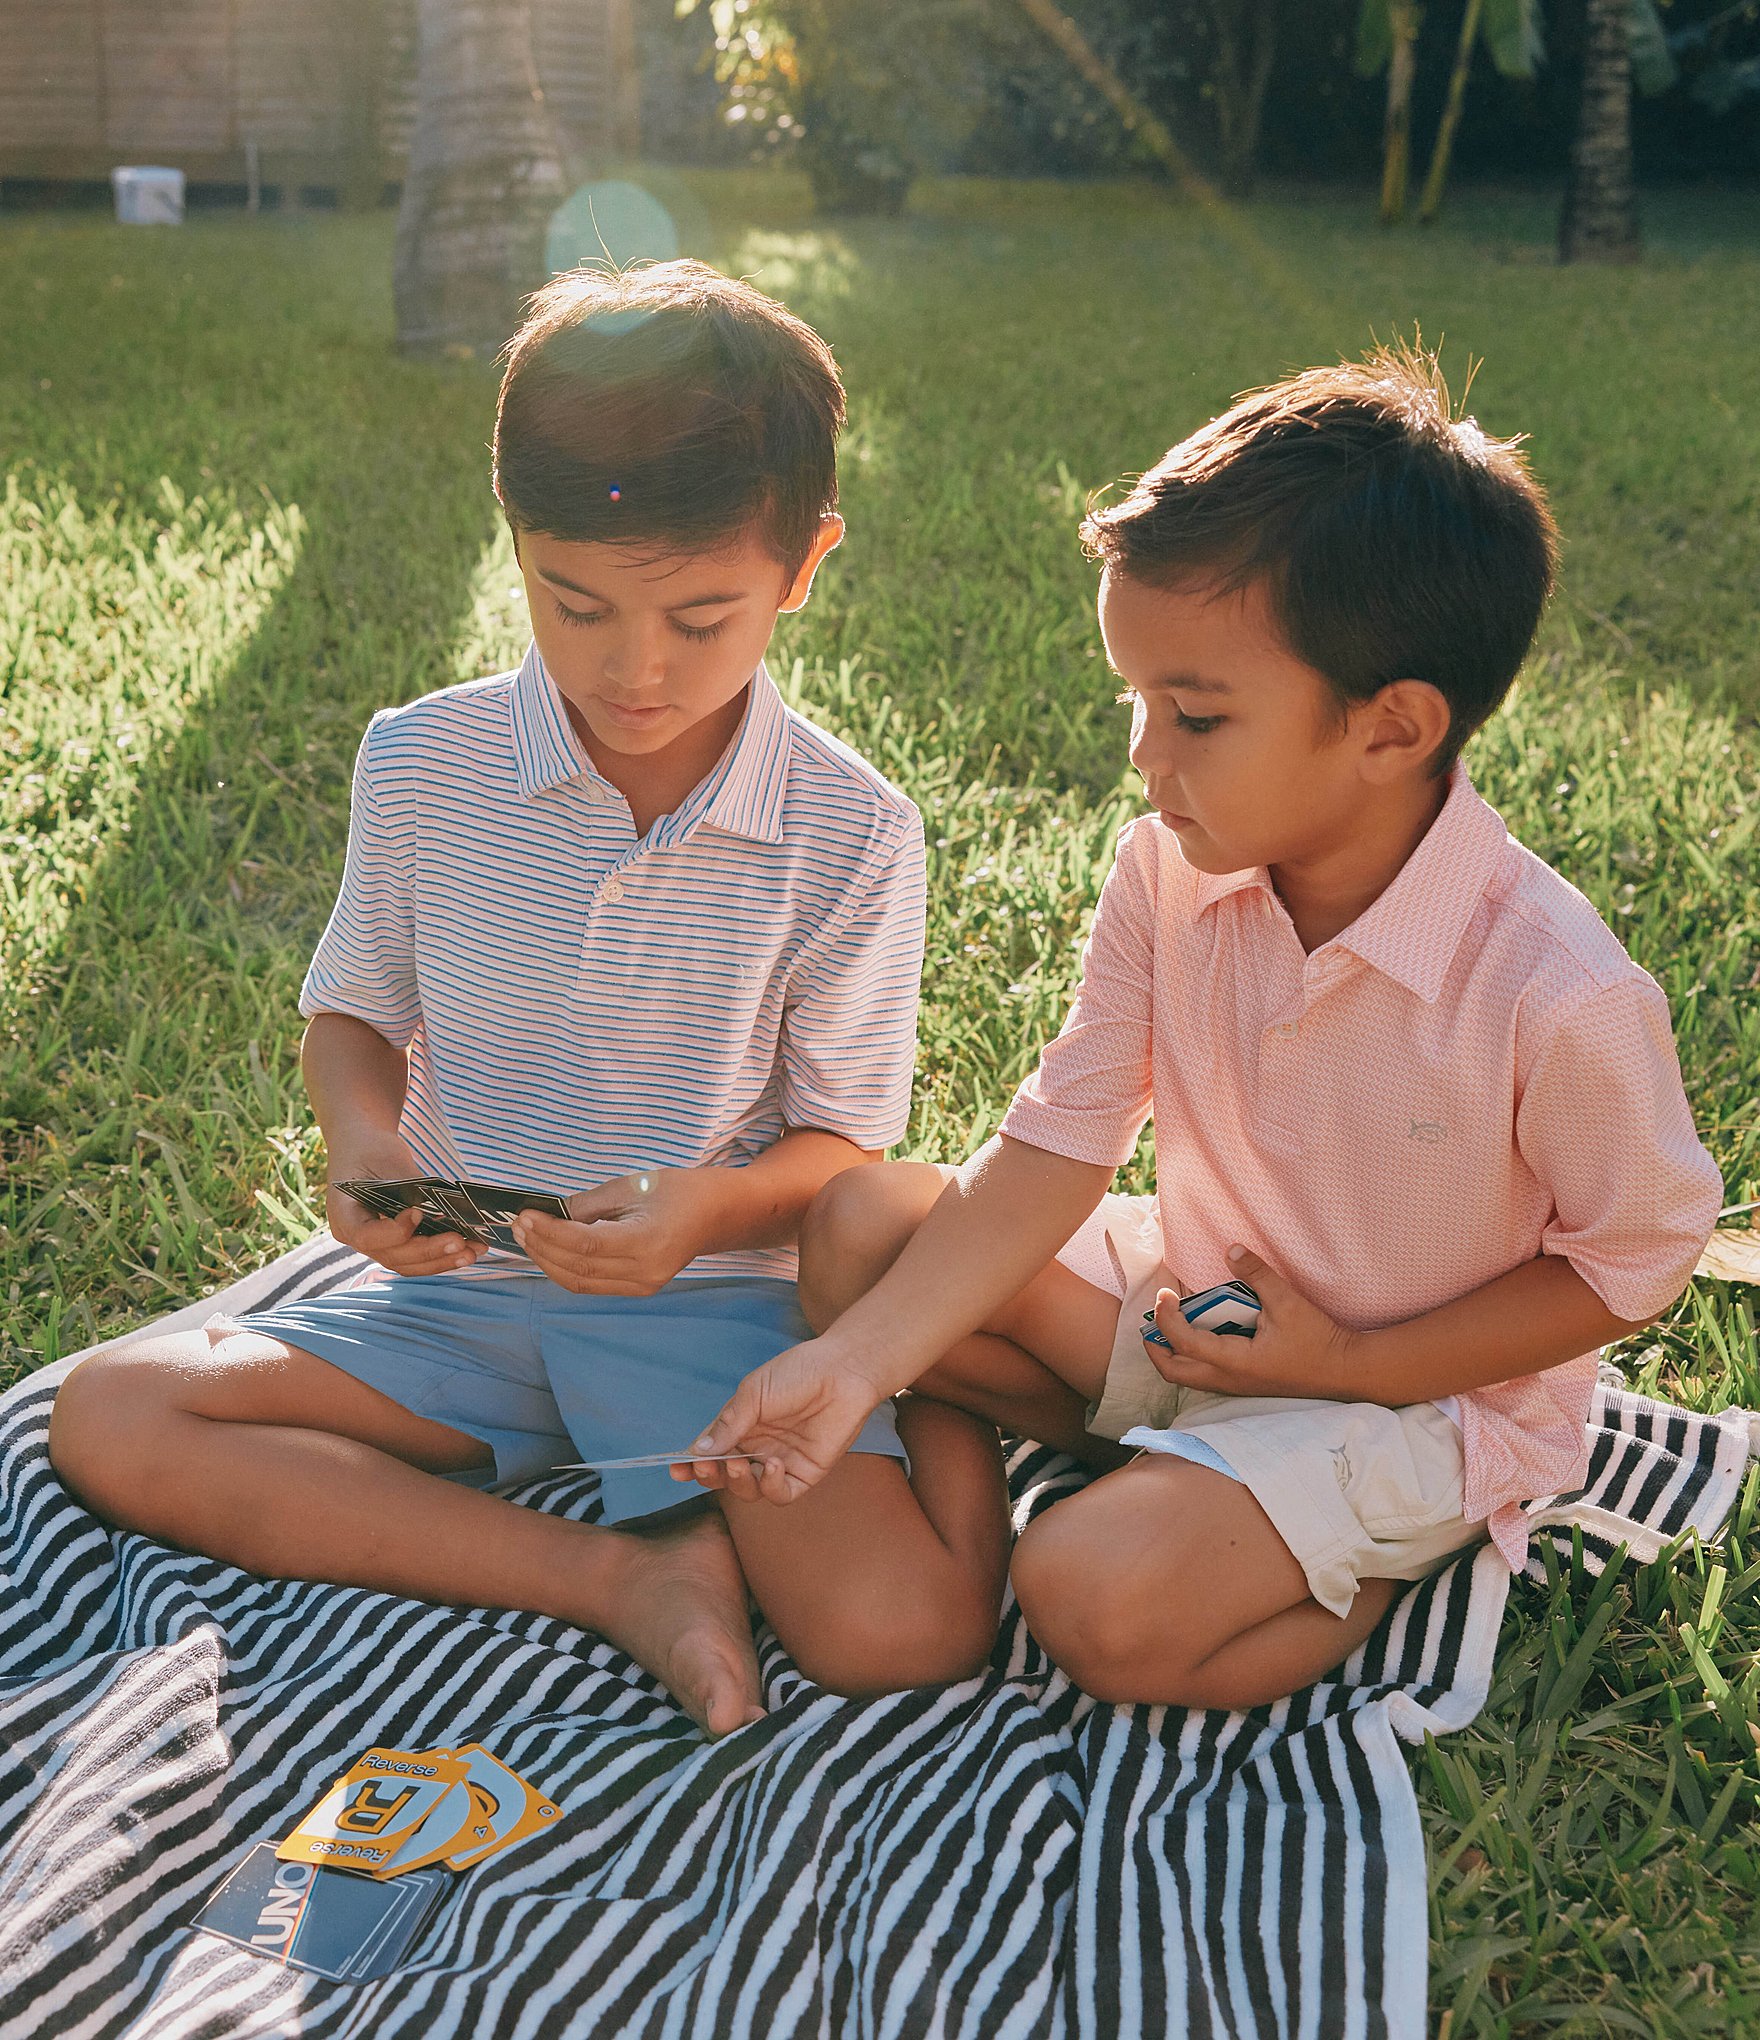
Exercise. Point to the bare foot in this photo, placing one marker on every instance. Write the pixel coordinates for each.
(681, 1614)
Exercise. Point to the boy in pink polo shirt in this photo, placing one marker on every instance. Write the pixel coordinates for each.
(1406, 1084)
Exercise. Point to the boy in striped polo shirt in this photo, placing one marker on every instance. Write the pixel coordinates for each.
(1406, 1085)
(623, 925)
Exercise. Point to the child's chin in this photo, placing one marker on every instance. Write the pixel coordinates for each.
(1201, 853)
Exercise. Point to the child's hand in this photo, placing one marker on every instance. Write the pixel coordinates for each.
(1296, 1350)
(628, 1237)
(392, 1242)
(792, 1420)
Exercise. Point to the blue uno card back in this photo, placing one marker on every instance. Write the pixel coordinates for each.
(337, 1925)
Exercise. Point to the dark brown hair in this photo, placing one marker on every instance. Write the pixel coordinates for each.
(1395, 540)
(667, 404)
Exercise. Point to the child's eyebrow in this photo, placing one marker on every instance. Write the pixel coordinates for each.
(1187, 683)
(696, 601)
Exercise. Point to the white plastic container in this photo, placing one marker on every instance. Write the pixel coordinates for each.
(147, 196)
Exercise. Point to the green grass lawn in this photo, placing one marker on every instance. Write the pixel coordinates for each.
(235, 523)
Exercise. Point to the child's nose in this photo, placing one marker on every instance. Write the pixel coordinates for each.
(633, 658)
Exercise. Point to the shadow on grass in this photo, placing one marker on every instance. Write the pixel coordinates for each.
(160, 1044)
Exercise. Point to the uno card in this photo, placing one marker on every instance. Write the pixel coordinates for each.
(505, 1809)
(479, 1211)
(495, 1204)
(1231, 1309)
(325, 1921)
(385, 1197)
(641, 1459)
(378, 1805)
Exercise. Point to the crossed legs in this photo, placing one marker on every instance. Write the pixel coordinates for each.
(256, 1452)
(1163, 1581)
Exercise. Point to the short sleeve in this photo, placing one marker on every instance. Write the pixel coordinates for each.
(848, 1045)
(1090, 1096)
(365, 963)
(1603, 1123)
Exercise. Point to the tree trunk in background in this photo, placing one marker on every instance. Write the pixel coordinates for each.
(363, 155)
(1451, 112)
(1396, 134)
(1246, 47)
(485, 173)
(1599, 222)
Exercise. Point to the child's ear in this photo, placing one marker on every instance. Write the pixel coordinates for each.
(830, 537)
(1405, 725)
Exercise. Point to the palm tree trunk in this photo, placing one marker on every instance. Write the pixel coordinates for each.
(1599, 220)
(1451, 112)
(1396, 134)
(1241, 79)
(485, 173)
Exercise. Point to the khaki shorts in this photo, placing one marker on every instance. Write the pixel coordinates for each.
(1356, 1490)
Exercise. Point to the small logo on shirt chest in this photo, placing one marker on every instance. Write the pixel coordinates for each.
(1431, 1132)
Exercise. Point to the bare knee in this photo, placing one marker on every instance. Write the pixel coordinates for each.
(1072, 1608)
(866, 1653)
(1092, 1624)
(856, 1228)
(108, 1422)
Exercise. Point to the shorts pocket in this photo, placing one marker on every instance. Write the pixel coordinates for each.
(1400, 1470)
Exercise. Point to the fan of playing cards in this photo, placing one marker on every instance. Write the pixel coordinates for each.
(480, 1211)
(349, 1890)
(398, 1810)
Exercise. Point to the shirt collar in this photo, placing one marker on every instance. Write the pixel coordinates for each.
(753, 775)
(744, 791)
(1411, 932)
(545, 749)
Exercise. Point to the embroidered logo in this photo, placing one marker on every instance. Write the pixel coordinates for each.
(1430, 1131)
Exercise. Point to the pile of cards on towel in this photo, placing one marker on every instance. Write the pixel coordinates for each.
(350, 1888)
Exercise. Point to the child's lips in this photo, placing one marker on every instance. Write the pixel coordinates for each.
(634, 718)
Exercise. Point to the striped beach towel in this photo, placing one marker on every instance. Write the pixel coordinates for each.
(1003, 1857)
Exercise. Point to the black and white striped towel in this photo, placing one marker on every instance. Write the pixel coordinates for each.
(998, 1858)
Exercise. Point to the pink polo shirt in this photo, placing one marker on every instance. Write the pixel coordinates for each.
(1472, 1073)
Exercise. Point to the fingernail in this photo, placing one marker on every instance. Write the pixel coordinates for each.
(704, 1444)
(1237, 1252)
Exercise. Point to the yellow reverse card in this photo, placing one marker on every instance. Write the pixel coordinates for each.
(377, 1806)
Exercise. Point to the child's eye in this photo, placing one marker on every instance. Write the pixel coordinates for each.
(700, 633)
(1196, 725)
(575, 617)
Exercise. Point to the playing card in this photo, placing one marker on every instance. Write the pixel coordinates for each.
(377, 1805)
(505, 1809)
(325, 1921)
(479, 1211)
(495, 1204)
(641, 1459)
(1230, 1308)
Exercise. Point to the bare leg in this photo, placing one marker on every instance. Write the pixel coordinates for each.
(261, 1454)
(874, 1582)
(1033, 1369)
(1167, 1583)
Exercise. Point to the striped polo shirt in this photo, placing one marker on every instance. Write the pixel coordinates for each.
(577, 1002)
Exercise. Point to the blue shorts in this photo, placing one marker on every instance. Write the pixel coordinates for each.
(544, 1377)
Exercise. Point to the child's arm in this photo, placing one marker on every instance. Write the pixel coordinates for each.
(356, 1081)
(631, 1236)
(1534, 1317)
(1603, 1125)
(995, 1226)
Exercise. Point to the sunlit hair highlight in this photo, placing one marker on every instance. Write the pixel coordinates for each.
(669, 406)
(1395, 539)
